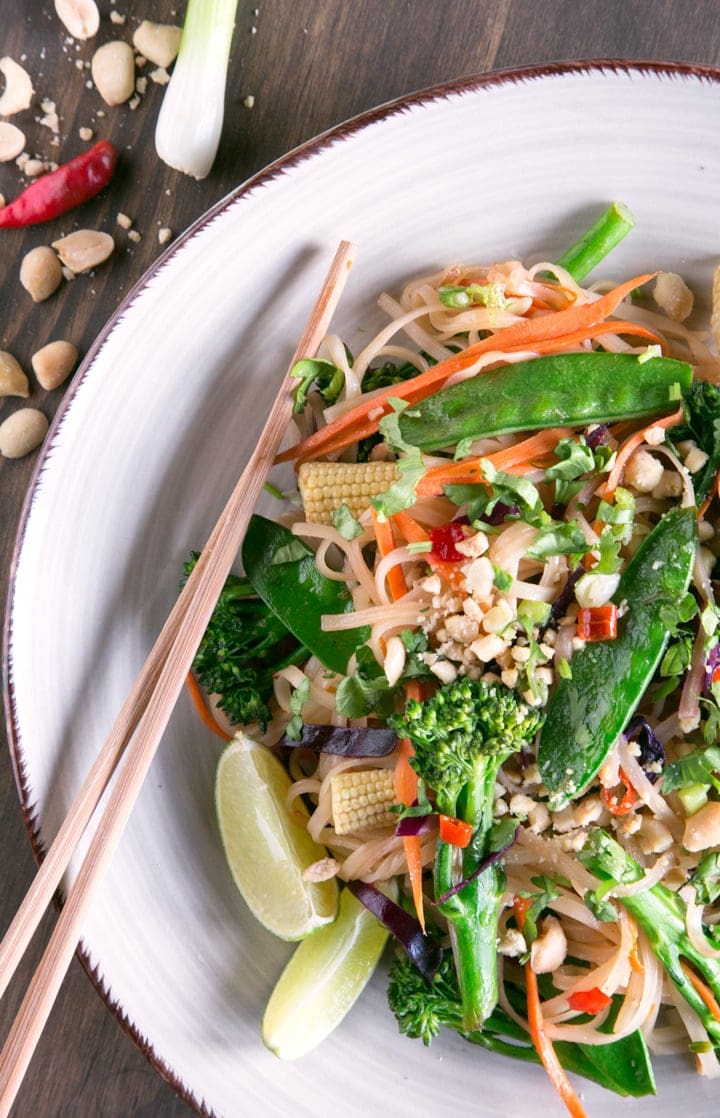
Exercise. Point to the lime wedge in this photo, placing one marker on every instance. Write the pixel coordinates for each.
(322, 981)
(267, 851)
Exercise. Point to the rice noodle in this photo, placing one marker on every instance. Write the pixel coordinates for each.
(694, 924)
(647, 792)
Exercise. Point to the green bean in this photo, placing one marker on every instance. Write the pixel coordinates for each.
(590, 709)
(594, 245)
(571, 389)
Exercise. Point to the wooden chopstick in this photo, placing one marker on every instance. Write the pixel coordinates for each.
(140, 725)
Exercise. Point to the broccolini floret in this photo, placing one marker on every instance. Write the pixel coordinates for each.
(462, 735)
(244, 644)
(422, 1009)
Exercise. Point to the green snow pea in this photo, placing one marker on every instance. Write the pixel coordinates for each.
(565, 390)
(590, 709)
(283, 573)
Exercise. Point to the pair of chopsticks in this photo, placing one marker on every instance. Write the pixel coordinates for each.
(137, 731)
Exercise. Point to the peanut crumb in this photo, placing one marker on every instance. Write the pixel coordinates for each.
(133, 235)
(85, 133)
(124, 221)
(32, 168)
(249, 101)
(160, 76)
(116, 17)
(164, 235)
(141, 85)
(134, 102)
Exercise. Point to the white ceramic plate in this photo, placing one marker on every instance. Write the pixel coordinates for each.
(141, 460)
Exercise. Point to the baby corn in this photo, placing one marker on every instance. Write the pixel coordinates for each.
(324, 486)
(361, 798)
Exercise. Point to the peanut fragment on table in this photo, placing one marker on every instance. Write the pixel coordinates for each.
(113, 71)
(13, 381)
(53, 363)
(40, 273)
(84, 249)
(12, 141)
(22, 432)
(158, 42)
(80, 17)
(18, 91)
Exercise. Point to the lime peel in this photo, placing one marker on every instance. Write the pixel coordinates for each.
(267, 850)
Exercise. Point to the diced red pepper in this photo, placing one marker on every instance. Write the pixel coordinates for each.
(444, 539)
(589, 1001)
(597, 623)
(455, 831)
(627, 801)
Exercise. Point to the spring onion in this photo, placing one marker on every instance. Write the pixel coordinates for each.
(188, 130)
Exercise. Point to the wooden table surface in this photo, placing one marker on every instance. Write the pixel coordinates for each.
(308, 64)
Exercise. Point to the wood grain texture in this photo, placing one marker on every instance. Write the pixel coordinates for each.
(309, 64)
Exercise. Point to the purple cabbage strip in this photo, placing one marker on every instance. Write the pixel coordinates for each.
(500, 512)
(597, 436)
(566, 595)
(416, 825)
(486, 862)
(345, 741)
(652, 750)
(425, 953)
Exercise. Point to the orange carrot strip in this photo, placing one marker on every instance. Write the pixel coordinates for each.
(199, 703)
(468, 471)
(529, 333)
(409, 528)
(386, 543)
(536, 1024)
(702, 989)
(406, 784)
(629, 446)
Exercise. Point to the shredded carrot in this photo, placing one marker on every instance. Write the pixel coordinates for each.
(406, 785)
(566, 327)
(406, 781)
(409, 528)
(536, 1024)
(630, 446)
(701, 988)
(467, 471)
(199, 703)
(386, 543)
(634, 958)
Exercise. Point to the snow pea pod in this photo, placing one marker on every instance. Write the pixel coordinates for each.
(563, 390)
(283, 573)
(590, 709)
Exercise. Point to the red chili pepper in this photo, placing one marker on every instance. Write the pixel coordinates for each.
(444, 539)
(61, 190)
(454, 831)
(589, 1001)
(597, 623)
(628, 801)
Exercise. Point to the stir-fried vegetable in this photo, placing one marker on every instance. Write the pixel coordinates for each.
(590, 709)
(462, 736)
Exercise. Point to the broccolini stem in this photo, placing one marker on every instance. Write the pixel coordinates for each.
(594, 245)
(661, 915)
(472, 916)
